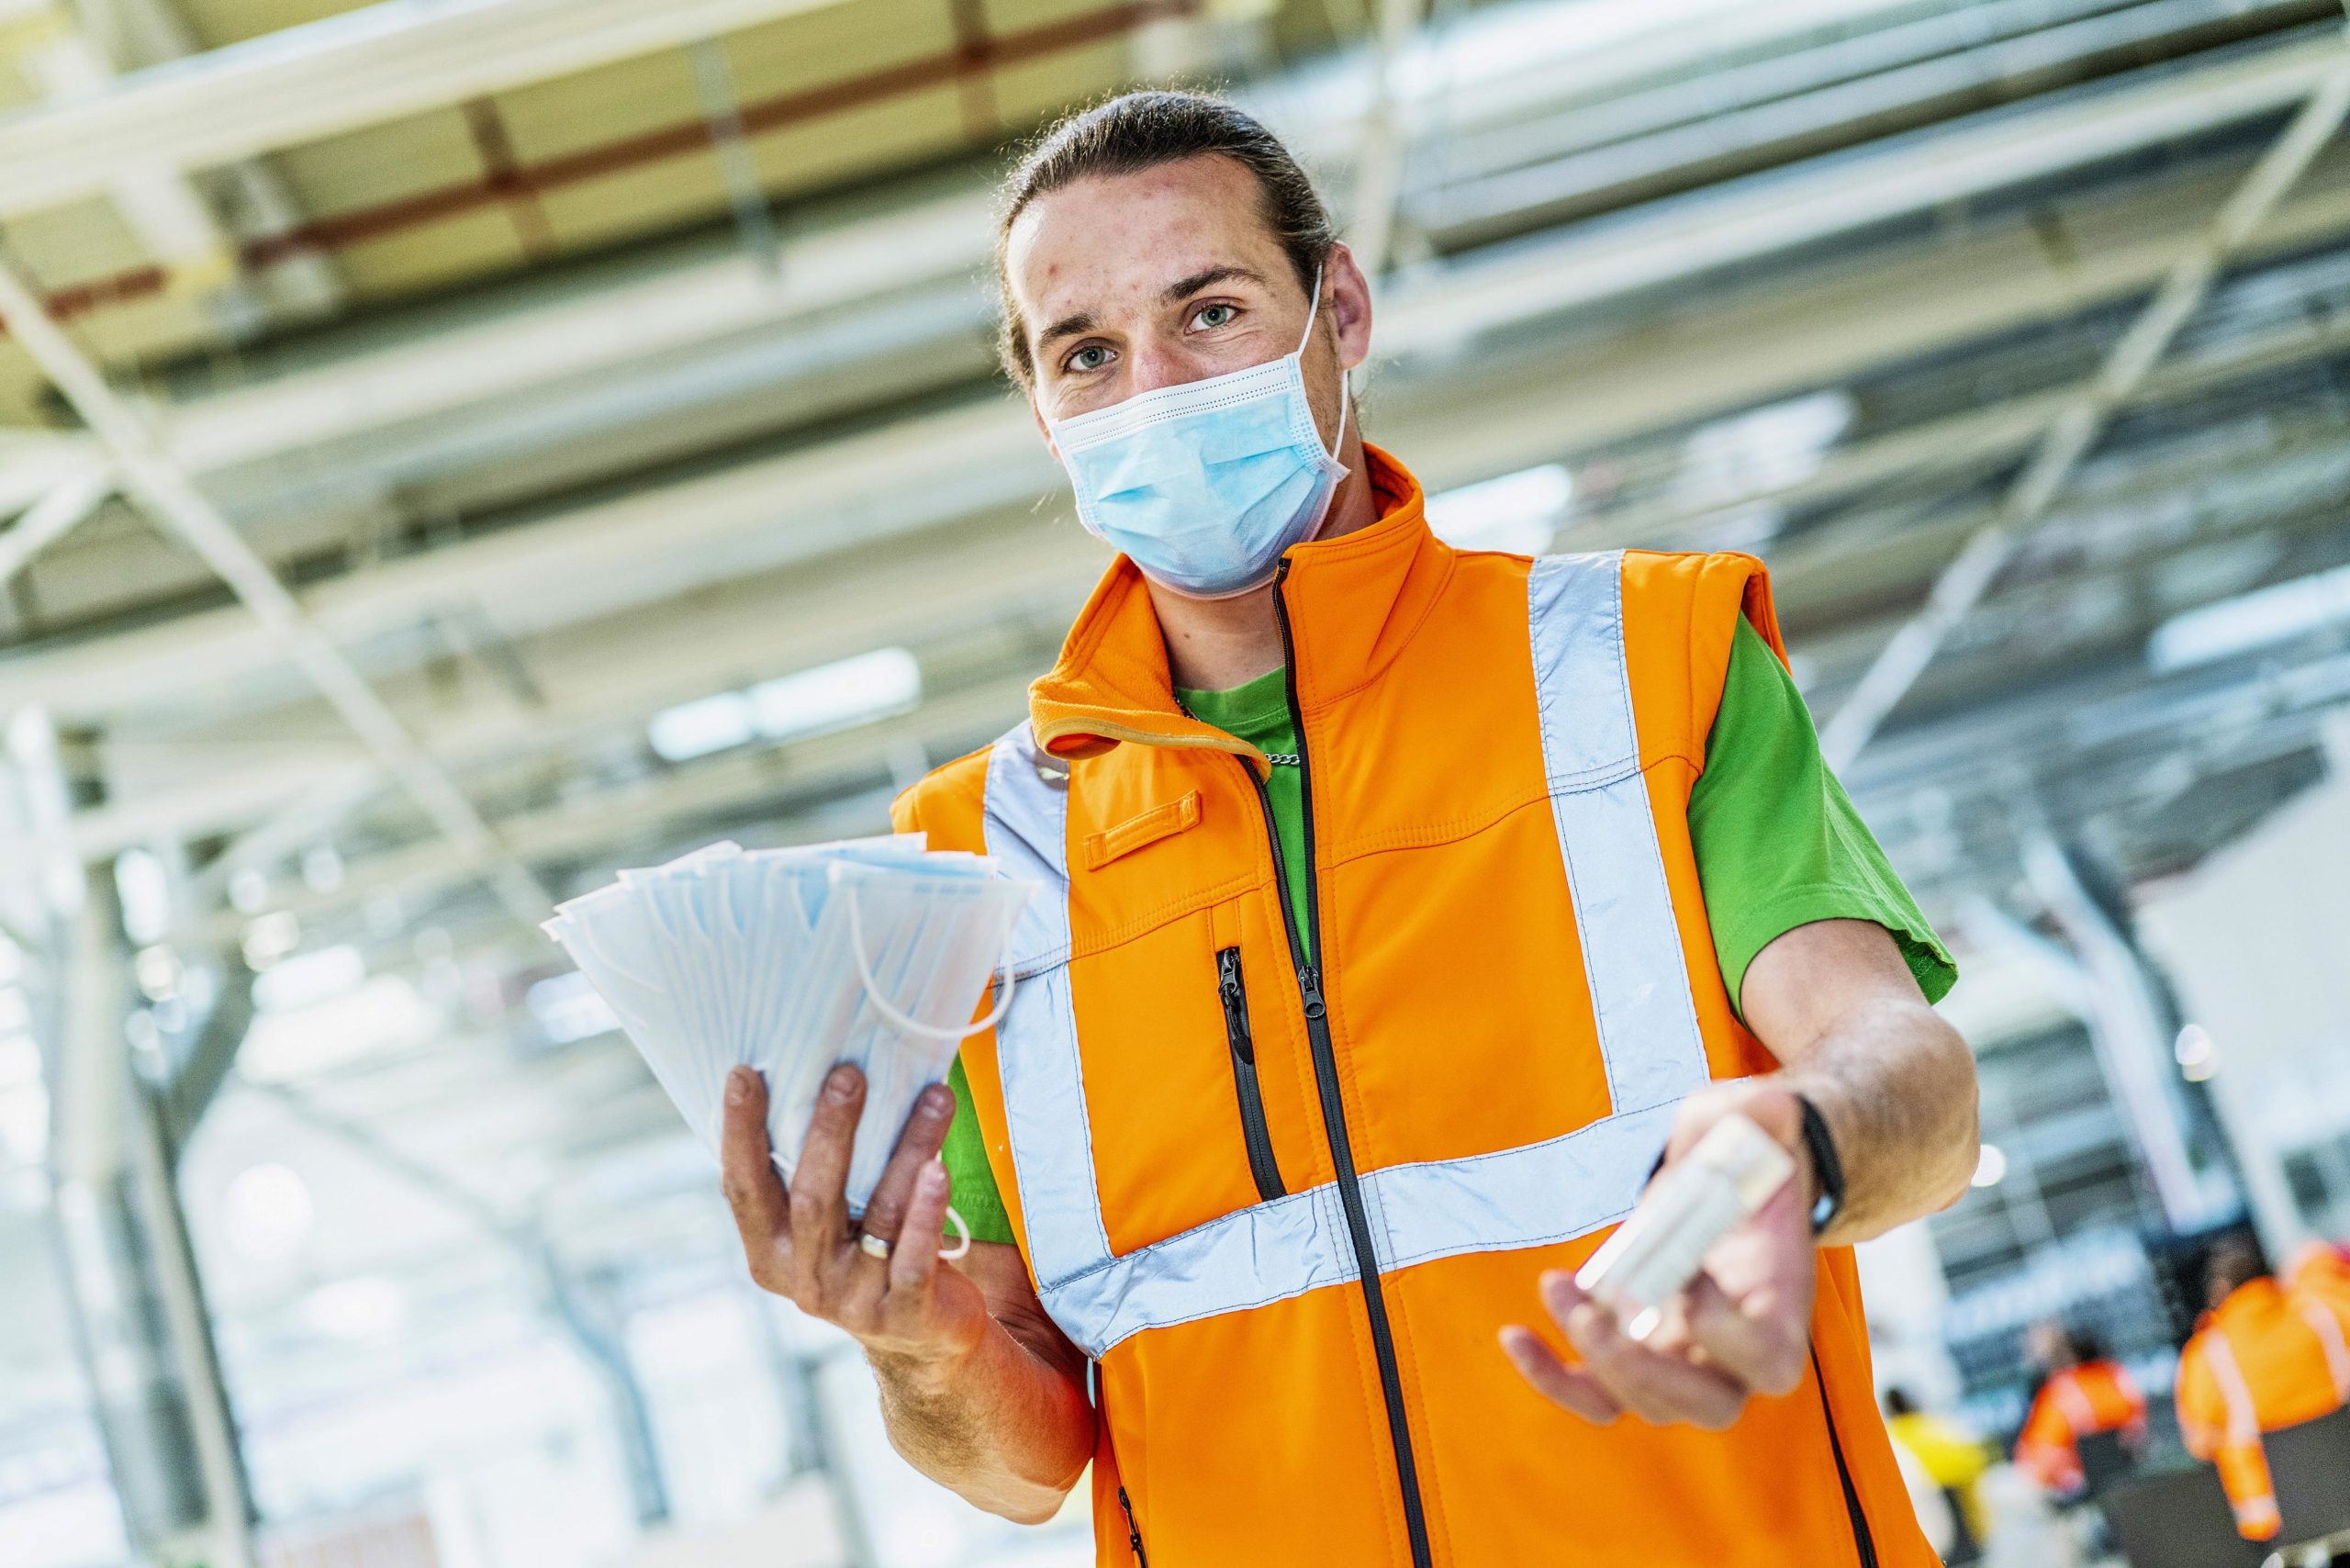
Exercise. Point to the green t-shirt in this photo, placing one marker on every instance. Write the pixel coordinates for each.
(1778, 841)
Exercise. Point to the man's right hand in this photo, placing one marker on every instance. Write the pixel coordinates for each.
(802, 1246)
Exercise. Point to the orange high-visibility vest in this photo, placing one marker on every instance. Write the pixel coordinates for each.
(2263, 1360)
(2321, 1269)
(1285, 1187)
(2076, 1401)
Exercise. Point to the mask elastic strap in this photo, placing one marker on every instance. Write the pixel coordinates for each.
(846, 887)
(1346, 399)
(910, 1024)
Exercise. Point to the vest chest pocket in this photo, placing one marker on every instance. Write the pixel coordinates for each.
(1136, 831)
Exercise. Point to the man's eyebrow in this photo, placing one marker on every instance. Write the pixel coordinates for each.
(1067, 327)
(1083, 322)
(1174, 292)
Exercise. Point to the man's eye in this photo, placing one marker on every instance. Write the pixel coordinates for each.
(1211, 316)
(1091, 357)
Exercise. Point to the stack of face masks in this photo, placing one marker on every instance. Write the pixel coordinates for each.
(872, 951)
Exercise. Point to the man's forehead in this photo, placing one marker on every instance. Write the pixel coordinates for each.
(1104, 240)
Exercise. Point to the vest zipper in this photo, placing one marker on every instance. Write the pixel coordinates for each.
(1325, 1078)
(1253, 1130)
(1862, 1540)
(1134, 1534)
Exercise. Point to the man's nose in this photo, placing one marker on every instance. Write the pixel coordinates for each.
(1151, 365)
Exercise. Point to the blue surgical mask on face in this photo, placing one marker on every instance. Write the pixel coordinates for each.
(1204, 485)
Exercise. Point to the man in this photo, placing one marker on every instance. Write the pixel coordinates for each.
(1397, 906)
(2260, 1361)
(2320, 1268)
(2085, 1392)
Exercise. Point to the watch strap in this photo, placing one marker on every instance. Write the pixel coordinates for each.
(1825, 1164)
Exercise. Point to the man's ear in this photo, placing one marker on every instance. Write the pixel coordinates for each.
(1349, 293)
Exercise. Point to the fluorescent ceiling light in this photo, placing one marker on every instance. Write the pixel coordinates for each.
(834, 696)
(1990, 1166)
(792, 707)
(2250, 622)
(1518, 512)
(696, 729)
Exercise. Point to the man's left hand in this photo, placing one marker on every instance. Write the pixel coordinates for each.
(1743, 1328)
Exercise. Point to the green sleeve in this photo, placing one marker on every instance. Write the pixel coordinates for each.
(970, 1180)
(1778, 841)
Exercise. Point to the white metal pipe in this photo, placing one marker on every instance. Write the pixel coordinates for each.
(573, 340)
(614, 555)
(2077, 427)
(49, 519)
(1379, 167)
(152, 479)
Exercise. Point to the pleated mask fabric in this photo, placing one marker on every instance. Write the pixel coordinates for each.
(873, 951)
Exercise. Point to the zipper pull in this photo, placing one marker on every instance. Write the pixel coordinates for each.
(1309, 981)
(1133, 1536)
(1236, 1005)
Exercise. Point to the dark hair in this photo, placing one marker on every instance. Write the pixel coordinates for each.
(1143, 131)
(2235, 1261)
(2088, 1345)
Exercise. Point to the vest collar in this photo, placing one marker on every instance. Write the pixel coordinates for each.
(1353, 603)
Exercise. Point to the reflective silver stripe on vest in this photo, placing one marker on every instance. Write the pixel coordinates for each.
(1529, 1197)
(1043, 1086)
(1599, 797)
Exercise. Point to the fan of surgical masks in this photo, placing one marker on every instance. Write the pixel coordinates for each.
(872, 951)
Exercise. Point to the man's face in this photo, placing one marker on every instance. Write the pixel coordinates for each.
(1169, 276)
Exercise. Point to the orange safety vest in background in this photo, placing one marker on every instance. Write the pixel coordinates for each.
(2263, 1362)
(1284, 1187)
(2321, 1269)
(2076, 1401)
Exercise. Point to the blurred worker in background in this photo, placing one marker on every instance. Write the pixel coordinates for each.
(2262, 1359)
(1397, 905)
(2321, 1269)
(1954, 1460)
(2083, 1391)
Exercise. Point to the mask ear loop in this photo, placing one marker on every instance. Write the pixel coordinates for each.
(1345, 391)
(912, 1025)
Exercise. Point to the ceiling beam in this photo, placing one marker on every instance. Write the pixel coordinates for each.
(2084, 418)
(156, 484)
(362, 68)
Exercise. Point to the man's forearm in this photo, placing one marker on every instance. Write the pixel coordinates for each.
(1896, 1085)
(1005, 1428)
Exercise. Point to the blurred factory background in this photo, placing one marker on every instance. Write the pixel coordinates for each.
(459, 449)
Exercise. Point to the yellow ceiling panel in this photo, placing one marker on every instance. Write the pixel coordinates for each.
(383, 162)
(629, 202)
(80, 242)
(837, 43)
(597, 107)
(149, 328)
(899, 129)
(23, 390)
(1042, 90)
(218, 22)
(1014, 15)
(433, 254)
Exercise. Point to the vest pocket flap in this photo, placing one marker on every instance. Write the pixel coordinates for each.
(1160, 822)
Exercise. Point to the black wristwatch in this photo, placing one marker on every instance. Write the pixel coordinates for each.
(1824, 1164)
